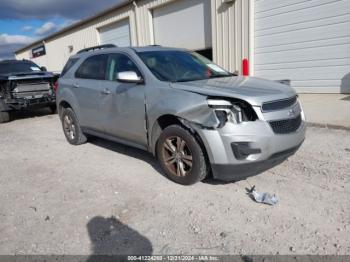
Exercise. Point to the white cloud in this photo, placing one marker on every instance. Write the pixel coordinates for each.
(10, 43)
(50, 27)
(15, 39)
(46, 28)
(68, 23)
(27, 28)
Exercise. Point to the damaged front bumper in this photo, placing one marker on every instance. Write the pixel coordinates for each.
(237, 151)
(29, 103)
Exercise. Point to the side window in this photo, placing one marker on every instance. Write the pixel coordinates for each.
(120, 63)
(71, 62)
(93, 67)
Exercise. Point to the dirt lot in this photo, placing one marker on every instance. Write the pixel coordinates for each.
(103, 197)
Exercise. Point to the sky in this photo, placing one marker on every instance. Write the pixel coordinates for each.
(24, 21)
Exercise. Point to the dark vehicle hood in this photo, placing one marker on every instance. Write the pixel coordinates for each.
(253, 90)
(27, 75)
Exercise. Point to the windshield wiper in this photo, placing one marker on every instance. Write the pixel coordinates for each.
(189, 80)
(221, 76)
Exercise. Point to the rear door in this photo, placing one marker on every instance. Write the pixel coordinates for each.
(88, 91)
(124, 106)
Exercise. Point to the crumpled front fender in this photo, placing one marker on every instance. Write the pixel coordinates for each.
(187, 107)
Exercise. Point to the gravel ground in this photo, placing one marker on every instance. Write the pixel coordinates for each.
(106, 198)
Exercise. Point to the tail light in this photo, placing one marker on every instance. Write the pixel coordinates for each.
(55, 87)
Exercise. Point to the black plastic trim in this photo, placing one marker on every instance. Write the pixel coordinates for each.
(235, 172)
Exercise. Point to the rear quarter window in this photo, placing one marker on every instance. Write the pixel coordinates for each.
(94, 67)
(71, 62)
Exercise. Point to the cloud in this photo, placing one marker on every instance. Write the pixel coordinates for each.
(68, 23)
(7, 51)
(43, 9)
(46, 29)
(50, 27)
(27, 28)
(14, 39)
(10, 43)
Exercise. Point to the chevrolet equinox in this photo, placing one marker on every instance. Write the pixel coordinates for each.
(196, 118)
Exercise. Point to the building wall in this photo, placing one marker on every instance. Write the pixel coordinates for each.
(307, 42)
(57, 52)
(230, 27)
(229, 33)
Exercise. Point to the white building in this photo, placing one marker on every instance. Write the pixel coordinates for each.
(306, 41)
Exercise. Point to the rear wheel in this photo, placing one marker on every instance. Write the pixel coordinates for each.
(71, 128)
(181, 156)
(4, 117)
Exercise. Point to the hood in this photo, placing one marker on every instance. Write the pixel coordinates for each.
(26, 75)
(255, 91)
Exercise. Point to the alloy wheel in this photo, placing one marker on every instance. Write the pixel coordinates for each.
(177, 156)
(69, 127)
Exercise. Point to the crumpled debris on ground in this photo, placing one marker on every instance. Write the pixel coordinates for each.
(263, 197)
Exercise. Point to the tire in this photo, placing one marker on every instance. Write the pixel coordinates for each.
(175, 148)
(4, 117)
(53, 109)
(71, 128)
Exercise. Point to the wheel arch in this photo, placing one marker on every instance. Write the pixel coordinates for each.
(63, 104)
(166, 120)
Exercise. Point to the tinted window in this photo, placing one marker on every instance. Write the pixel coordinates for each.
(18, 67)
(93, 67)
(181, 66)
(71, 62)
(120, 63)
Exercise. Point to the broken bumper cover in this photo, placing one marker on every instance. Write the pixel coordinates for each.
(21, 103)
(237, 151)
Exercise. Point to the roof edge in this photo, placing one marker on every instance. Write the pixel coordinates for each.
(70, 27)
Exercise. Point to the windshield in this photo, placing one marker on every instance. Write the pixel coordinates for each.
(181, 66)
(18, 67)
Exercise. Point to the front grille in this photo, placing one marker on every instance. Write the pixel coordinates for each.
(286, 126)
(32, 87)
(280, 104)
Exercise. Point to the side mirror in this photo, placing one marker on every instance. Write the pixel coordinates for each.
(43, 68)
(129, 77)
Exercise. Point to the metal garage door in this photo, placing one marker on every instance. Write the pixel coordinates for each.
(307, 41)
(116, 33)
(185, 24)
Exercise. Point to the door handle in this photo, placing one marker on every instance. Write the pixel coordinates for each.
(76, 85)
(105, 92)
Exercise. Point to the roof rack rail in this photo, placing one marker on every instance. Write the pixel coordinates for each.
(154, 45)
(96, 47)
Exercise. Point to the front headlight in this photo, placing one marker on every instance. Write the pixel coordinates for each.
(226, 111)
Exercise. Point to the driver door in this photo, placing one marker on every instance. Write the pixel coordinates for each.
(124, 103)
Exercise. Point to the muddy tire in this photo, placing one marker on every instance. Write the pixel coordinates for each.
(71, 128)
(4, 117)
(181, 156)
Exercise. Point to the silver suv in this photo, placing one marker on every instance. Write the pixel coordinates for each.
(195, 117)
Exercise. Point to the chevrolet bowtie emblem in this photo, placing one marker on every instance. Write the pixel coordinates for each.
(291, 112)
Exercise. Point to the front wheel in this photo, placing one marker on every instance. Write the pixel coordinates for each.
(181, 156)
(71, 128)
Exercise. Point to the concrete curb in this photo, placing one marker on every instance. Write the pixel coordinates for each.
(329, 126)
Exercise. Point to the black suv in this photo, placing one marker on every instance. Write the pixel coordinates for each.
(25, 85)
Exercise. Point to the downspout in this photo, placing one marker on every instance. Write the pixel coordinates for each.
(136, 23)
(251, 36)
